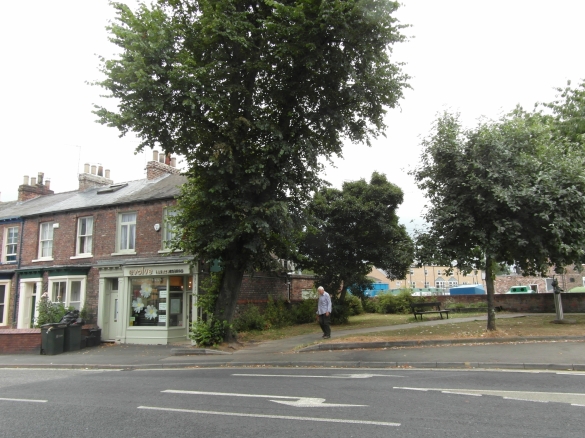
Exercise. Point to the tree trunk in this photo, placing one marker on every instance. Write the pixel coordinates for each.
(489, 284)
(229, 291)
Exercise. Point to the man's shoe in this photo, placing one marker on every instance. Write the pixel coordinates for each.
(326, 337)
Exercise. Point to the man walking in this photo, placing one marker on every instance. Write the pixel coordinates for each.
(324, 312)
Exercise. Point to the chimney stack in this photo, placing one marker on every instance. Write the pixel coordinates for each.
(93, 176)
(161, 164)
(35, 189)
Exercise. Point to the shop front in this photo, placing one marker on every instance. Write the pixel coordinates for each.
(147, 304)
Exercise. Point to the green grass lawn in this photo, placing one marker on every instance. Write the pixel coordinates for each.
(355, 322)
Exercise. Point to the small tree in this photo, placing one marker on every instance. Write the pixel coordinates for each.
(507, 192)
(353, 230)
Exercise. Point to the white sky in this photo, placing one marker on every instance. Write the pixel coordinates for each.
(478, 58)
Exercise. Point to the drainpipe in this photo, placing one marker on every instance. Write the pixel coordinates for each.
(16, 276)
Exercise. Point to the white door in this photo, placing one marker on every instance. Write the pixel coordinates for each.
(111, 329)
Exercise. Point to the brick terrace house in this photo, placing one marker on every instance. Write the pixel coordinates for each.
(102, 248)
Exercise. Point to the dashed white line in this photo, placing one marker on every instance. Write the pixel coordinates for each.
(24, 400)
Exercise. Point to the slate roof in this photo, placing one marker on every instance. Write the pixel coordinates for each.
(165, 187)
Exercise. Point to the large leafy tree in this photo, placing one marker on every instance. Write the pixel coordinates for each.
(255, 95)
(353, 230)
(505, 192)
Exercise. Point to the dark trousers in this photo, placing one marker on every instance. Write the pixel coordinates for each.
(324, 322)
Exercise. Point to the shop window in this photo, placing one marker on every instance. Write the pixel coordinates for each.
(84, 235)
(11, 245)
(127, 232)
(157, 301)
(46, 240)
(67, 290)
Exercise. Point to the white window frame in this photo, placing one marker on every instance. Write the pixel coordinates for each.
(86, 238)
(440, 284)
(131, 230)
(427, 284)
(68, 280)
(413, 284)
(7, 241)
(438, 272)
(6, 303)
(398, 284)
(49, 226)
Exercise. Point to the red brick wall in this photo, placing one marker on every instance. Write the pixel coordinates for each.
(300, 282)
(526, 303)
(148, 241)
(20, 341)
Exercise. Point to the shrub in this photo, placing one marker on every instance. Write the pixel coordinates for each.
(370, 304)
(403, 301)
(250, 319)
(355, 305)
(339, 313)
(210, 332)
(304, 312)
(277, 314)
(386, 303)
(49, 312)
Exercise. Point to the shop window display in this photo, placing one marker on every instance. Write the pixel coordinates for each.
(156, 301)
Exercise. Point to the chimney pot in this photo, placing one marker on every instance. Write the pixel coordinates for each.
(174, 162)
(33, 181)
(108, 173)
(100, 170)
(93, 169)
(48, 184)
(86, 168)
(161, 157)
(154, 155)
(25, 182)
(40, 178)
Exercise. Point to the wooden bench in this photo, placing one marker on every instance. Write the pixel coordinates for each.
(420, 309)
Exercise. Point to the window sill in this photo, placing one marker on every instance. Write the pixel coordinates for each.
(167, 251)
(11, 262)
(81, 256)
(43, 259)
(124, 253)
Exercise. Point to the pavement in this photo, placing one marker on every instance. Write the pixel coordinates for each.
(531, 353)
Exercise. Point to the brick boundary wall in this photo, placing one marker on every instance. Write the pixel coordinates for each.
(19, 341)
(525, 303)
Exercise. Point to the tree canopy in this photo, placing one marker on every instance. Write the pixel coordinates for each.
(509, 191)
(255, 94)
(353, 230)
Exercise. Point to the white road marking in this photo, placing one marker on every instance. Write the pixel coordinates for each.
(301, 402)
(275, 417)
(24, 400)
(558, 397)
(336, 376)
(460, 393)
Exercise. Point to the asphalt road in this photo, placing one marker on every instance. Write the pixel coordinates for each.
(291, 402)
